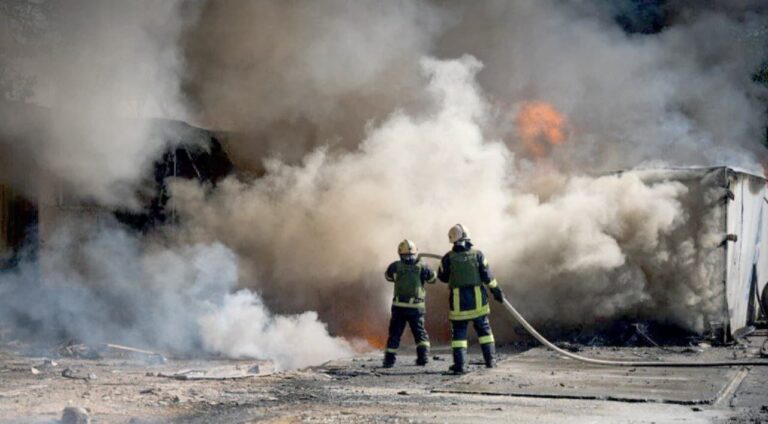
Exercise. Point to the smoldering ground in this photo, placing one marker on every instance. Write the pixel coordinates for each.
(364, 122)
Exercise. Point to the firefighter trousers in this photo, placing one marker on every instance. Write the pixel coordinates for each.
(414, 318)
(460, 330)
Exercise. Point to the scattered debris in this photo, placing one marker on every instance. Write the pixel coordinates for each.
(75, 415)
(743, 332)
(74, 349)
(151, 357)
(571, 347)
(48, 363)
(224, 372)
(70, 373)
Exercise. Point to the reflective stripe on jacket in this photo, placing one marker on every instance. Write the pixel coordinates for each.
(466, 271)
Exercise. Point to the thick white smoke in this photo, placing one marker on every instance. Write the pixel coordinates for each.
(572, 249)
(244, 327)
(336, 218)
(361, 133)
(98, 283)
(102, 69)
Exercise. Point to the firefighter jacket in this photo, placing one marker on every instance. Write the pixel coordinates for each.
(409, 278)
(467, 273)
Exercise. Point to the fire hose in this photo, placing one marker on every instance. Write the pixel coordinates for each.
(606, 362)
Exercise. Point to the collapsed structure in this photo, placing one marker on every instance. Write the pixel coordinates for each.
(193, 153)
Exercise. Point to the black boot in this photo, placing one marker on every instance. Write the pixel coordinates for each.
(489, 349)
(422, 355)
(458, 361)
(389, 360)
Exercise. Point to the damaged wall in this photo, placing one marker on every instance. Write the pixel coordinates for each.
(747, 255)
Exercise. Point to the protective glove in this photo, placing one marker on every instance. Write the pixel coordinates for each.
(497, 294)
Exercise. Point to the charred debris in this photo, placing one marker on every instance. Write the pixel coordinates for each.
(192, 153)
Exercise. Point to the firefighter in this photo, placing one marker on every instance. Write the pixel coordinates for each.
(409, 276)
(466, 271)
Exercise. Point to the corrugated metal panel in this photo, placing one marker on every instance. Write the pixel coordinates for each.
(747, 257)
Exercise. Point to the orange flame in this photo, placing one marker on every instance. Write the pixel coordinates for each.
(540, 127)
(374, 335)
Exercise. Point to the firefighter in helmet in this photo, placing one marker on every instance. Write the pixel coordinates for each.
(409, 276)
(466, 271)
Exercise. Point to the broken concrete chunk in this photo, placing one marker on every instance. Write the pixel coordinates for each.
(150, 357)
(224, 372)
(75, 415)
(73, 349)
(75, 375)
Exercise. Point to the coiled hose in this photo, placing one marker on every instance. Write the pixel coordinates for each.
(607, 362)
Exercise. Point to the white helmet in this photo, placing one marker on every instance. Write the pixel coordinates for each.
(458, 232)
(407, 247)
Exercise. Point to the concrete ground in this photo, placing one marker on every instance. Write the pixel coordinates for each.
(528, 386)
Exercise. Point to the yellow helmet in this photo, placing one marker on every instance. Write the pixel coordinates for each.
(458, 232)
(407, 247)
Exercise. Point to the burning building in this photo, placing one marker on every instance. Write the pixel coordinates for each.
(348, 144)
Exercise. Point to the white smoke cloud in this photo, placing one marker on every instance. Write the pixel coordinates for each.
(104, 69)
(360, 139)
(244, 327)
(98, 283)
(87, 134)
(337, 218)
(451, 152)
